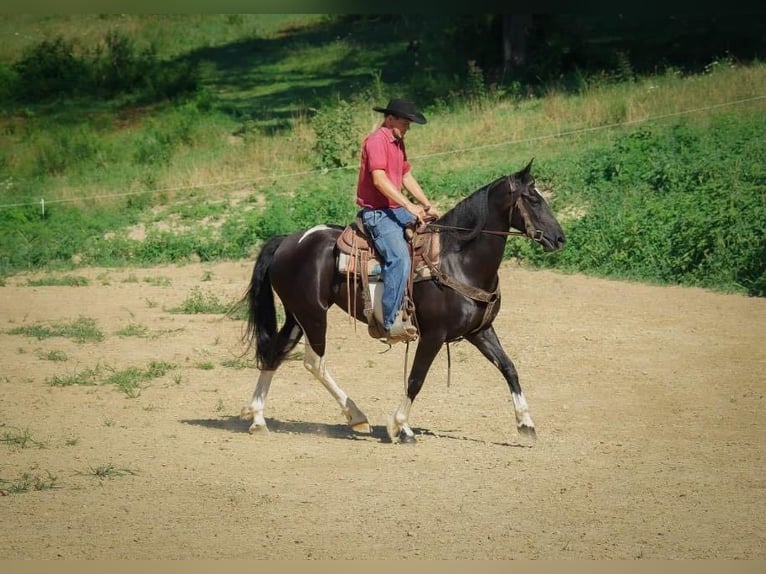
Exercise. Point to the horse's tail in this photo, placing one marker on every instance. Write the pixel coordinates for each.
(262, 314)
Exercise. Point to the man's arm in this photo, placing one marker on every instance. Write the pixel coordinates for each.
(384, 185)
(413, 188)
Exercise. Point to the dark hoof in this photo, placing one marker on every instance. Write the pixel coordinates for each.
(404, 438)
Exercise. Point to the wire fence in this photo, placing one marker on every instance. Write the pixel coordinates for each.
(42, 202)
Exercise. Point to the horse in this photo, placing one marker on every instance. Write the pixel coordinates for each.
(459, 302)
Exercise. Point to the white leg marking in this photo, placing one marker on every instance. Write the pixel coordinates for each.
(355, 418)
(258, 402)
(398, 421)
(523, 418)
(312, 230)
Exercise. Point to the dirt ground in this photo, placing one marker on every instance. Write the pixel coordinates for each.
(648, 401)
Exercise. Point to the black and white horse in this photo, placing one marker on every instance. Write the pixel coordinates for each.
(460, 302)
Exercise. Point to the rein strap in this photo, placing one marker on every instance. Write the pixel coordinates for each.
(486, 231)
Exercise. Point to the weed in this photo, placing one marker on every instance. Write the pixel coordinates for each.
(130, 380)
(206, 366)
(200, 302)
(86, 377)
(158, 281)
(65, 281)
(28, 481)
(20, 438)
(81, 330)
(133, 330)
(108, 470)
(238, 363)
(57, 356)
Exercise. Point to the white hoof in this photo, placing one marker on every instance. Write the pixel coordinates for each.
(355, 418)
(256, 428)
(528, 434)
(392, 429)
(362, 428)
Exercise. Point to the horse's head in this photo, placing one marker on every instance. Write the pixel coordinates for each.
(530, 213)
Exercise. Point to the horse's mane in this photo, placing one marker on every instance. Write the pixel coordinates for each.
(470, 213)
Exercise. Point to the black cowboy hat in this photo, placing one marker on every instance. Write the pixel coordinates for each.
(403, 109)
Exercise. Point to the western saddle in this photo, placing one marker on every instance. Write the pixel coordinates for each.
(358, 260)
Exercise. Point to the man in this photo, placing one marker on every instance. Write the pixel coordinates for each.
(384, 175)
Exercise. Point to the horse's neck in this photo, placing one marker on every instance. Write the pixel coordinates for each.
(477, 261)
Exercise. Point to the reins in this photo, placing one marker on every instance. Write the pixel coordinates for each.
(534, 235)
(439, 227)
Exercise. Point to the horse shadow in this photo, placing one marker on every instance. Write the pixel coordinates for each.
(234, 424)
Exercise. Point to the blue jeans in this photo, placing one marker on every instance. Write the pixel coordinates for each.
(386, 226)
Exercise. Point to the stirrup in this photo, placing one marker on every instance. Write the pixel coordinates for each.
(403, 331)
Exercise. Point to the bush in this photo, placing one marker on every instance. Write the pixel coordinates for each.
(57, 68)
(51, 68)
(661, 206)
(337, 142)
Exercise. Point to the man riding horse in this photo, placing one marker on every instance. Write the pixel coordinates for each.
(384, 174)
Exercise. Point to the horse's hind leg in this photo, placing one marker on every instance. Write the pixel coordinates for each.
(288, 337)
(316, 364)
(489, 345)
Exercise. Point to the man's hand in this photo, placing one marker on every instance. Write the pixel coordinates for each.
(431, 212)
(418, 211)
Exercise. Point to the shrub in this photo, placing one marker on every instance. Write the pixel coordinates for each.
(59, 68)
(662, 206)
(51, 68)
(337, 142)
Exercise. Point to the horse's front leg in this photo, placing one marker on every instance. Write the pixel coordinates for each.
(398, 424)
(489, 345)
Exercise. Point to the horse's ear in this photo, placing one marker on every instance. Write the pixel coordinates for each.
(524, 173)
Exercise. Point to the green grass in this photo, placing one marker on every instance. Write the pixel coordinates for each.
(199, 301)
(158, 281)
(65, 281)
(134, 330)
(55, 356)
(130, 381)
(86, 377)
(237, 363)
(27, 482)
(80, 330)
(268, 144)
(107, 471)
(19, 438)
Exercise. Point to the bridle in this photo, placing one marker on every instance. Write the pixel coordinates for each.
(530, 232)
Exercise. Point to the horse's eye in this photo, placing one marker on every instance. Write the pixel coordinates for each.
(533, 196)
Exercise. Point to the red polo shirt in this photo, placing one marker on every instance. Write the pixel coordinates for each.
(380, 150)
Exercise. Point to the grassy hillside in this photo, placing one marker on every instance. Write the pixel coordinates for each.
(655, 177)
